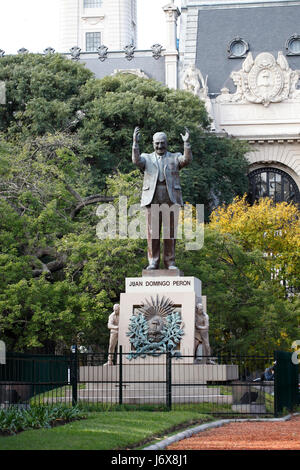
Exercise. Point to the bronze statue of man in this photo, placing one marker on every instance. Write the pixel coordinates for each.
(161, 186)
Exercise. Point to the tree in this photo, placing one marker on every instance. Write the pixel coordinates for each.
(272, 228)
(56, 277)
(115, 105)
(49, 94)
(42, 93)
(248, 311)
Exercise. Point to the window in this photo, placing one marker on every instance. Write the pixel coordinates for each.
(237, 48)
(93, 41)
(292, 45)
(274, 183)
(92, 3)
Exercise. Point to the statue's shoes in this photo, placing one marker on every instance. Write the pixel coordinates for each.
(152, 266)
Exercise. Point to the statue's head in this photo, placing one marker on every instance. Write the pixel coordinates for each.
(117, 309)
(160, 143)
(199, 309)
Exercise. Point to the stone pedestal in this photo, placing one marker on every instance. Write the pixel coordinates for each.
(146, 383)
(184, 292)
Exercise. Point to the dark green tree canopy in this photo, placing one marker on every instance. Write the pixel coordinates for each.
(56, 277)
(45, 94)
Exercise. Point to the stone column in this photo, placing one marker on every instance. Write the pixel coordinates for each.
(171, 54)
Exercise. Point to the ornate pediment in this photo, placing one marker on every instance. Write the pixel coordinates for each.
(137, 72)
(264, 80)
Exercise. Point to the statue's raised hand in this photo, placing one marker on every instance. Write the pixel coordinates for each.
(186, 136)
(136, 135)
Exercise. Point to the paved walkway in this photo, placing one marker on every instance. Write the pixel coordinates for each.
(246, 436)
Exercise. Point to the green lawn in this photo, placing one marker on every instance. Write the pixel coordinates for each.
(105, 431)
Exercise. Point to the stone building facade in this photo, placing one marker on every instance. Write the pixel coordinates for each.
(245, 55)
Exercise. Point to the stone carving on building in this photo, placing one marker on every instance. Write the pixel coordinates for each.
(2, 53)
(155, 328)
(129, 51)
(92, 21)
(49, 51)
(193, 81)
(75, 52)
(262, 80)
(137, 72)
(23, 50)
(102, 52)
(156, 51)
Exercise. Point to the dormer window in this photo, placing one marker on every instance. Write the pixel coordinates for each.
(237, 48)
(292, 45)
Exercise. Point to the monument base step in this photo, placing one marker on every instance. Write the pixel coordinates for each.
(162, 273)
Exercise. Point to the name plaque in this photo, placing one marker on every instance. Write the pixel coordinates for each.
(163, 284)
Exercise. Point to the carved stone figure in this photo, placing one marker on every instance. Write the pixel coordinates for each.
(161, 186)
(202, 333)
(194, 82)
(263, 80)
(113, 325)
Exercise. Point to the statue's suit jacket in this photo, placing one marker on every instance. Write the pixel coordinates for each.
(172, 163)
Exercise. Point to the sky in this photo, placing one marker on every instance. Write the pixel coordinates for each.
(33, 24)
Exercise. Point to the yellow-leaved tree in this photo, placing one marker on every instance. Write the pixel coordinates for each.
(274, 229)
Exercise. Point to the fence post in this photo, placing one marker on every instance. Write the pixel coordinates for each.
(169, 381)
(120, 375)
(74, 374)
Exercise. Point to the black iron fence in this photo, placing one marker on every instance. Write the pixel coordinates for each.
(228, 384)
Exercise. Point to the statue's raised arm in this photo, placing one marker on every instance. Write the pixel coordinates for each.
(136, 157)
(187, 156)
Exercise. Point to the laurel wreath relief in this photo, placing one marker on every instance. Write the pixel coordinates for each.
(170, 334)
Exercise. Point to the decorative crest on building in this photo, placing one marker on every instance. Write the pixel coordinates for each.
(129, 51)
(264, 80)
(49, 51)
(156, 50)
(102, 52)
(23, 50)
(75, 52)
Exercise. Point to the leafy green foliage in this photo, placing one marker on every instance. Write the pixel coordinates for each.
(42, 93)
(249, 312)
(56, 277)
(13, 419)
